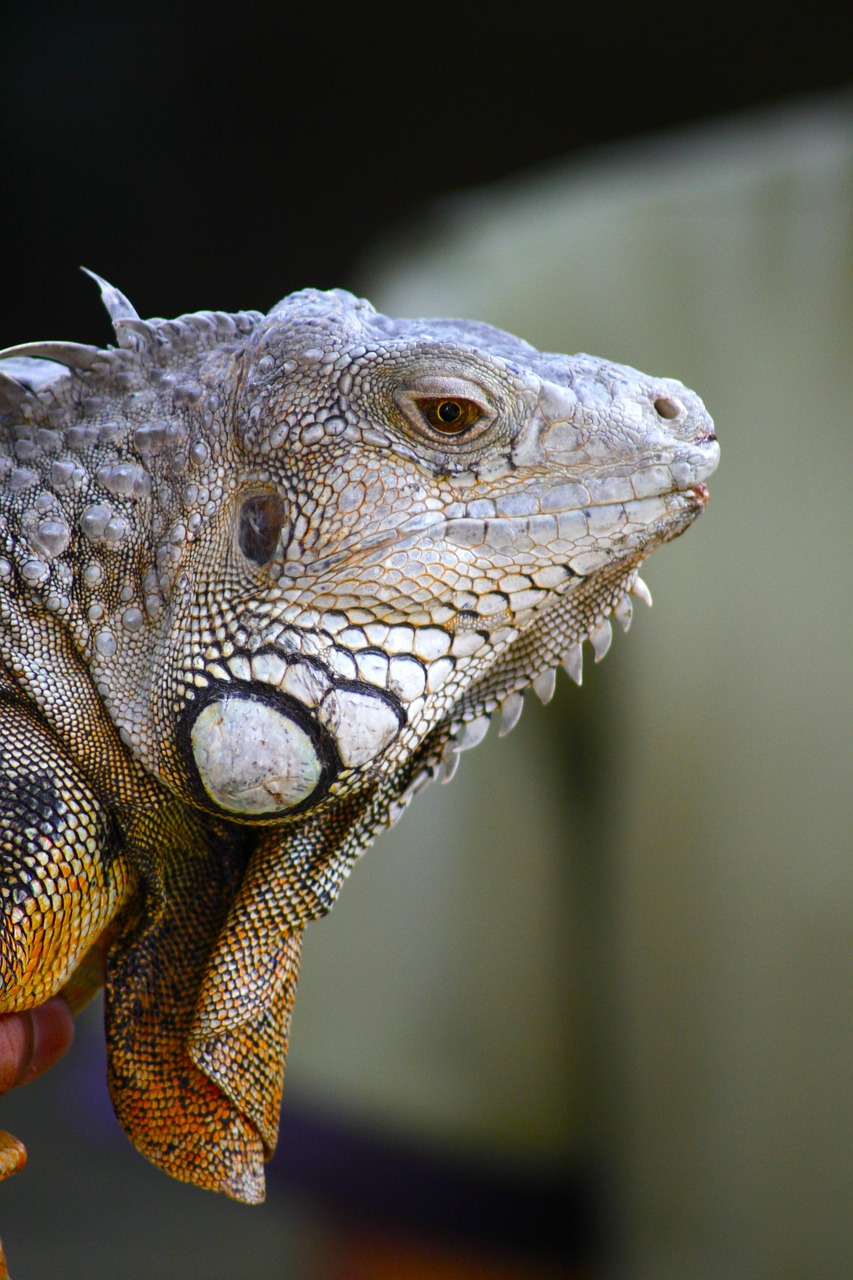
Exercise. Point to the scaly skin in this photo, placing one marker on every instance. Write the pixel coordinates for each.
(260, 577)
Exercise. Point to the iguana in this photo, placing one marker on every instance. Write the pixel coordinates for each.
(262, 577)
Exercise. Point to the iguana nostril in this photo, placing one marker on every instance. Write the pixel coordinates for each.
(667, 407)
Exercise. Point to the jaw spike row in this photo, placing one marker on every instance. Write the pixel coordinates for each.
(623, 611)
(450, 760)
(474, 733)
(419, 783)
(600, 638)
(544, 685)
(511, 710)
(573, 663)
(641, 591)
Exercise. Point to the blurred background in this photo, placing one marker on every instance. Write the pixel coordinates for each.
(587, 1011)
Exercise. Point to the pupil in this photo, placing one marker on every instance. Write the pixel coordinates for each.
(449, 411)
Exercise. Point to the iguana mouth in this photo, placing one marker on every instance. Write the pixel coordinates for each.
(440, 527)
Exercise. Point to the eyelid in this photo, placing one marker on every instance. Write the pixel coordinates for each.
(441, 388)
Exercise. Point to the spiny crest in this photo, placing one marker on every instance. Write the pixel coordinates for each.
(145, 348)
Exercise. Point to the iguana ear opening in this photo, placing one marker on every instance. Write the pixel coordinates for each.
(260, 524)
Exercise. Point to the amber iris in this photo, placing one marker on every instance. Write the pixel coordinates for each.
(450, 416)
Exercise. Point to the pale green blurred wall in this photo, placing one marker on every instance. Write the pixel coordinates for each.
(665, 970)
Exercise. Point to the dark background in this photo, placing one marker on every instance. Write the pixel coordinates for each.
(202, 156)
(220, 156)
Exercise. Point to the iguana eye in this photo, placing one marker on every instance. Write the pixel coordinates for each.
(449, 416)
(261, 523)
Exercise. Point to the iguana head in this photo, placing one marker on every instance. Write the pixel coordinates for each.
(308, 543)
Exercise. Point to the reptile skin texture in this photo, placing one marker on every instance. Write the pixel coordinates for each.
(262, 577)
